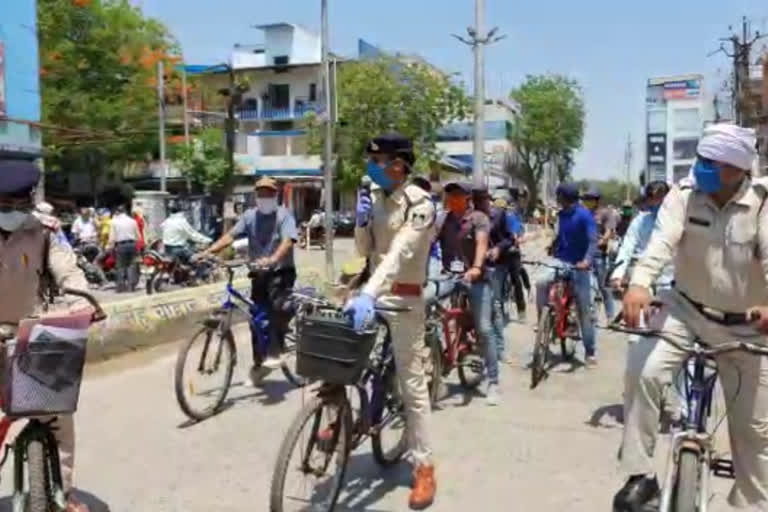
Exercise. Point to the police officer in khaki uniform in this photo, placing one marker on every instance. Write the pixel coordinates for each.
(395, 227)
(714, 227)
(24, 240)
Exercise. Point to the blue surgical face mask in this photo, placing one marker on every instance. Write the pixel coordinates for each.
(707, 176)
(654, 209)
(379, 176)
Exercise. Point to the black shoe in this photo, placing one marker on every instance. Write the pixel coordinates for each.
(636, 494)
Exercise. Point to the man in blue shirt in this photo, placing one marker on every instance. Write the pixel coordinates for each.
(575, 244)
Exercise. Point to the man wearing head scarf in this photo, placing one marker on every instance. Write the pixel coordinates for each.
(713, 227)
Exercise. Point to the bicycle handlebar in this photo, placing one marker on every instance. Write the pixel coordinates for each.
(98, 314)
(559, 266)
(733, 346)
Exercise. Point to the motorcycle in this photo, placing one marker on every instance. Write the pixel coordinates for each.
(316, 236)
(98, 271)
(164, 270)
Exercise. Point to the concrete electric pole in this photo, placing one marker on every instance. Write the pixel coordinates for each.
(161, 116)
(328, 145)
(628, 167)
(478, 39)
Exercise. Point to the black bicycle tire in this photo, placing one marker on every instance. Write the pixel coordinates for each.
(150, 283)
(39, 494)
(435, 347)
(379, 454)
(467, 383)
(277, 485)
(181, 359)
(541, 348)
(686, 483)
(290, 374)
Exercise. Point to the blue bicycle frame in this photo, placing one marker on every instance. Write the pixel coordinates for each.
(257, 316)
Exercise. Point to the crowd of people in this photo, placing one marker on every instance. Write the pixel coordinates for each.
(409, 229)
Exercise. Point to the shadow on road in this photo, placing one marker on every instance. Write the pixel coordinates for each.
(94, 504)
(270, 392)
(452, 389)
(366, 483)
(615, 411)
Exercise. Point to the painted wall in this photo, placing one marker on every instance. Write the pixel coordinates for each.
(19, 72)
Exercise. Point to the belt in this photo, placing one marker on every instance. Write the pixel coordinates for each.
(715, 315)
(126, 242)
(407, 289)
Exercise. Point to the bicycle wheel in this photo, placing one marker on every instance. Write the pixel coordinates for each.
(434, 362)
(209, 356)
(326, 441)
(540, 358)
(289, 357)
(686, 491)
(39, 489)
(388, 441)
(471, 362)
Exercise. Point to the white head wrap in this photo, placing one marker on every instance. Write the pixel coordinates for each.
(729, 144)
(44, 208)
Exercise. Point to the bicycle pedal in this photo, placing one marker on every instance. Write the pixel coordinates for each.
(723, 468)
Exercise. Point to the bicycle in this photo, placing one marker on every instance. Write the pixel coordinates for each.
(42, 393)
(691, 458)
(458, 346)
(365, 365)
(217, 349)
(558, 322)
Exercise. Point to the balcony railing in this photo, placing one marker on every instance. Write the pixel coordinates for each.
(268, 112)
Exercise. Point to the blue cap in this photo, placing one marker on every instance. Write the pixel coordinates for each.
(568, 191)
(18, 177)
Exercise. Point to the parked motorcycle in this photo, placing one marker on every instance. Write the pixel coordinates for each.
(164, 270)
(316, 236)
(98, 271)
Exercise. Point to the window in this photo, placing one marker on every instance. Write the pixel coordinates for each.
(281, 60)
(312, 92)
(684, 149)
(657, 121)
(687, 120)
(680, 171)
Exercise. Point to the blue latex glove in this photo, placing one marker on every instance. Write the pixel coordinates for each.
(360, 309)
(364, 207)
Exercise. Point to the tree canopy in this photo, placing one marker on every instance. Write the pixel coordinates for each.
(205, 159)
(550, 127)
(384, 95)
(613, 191)
(98, 79)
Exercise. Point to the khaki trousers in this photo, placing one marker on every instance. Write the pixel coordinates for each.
(408, 347)
(744, 378)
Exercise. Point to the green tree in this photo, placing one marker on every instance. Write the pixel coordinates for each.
(205, 159)
(612, 191)
(98, 73)
(377, 96)
(549, 129)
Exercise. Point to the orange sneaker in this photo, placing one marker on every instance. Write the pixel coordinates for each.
(423, 489)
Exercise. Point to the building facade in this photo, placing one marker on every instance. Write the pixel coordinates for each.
(677, 109)
(455, 142)
(19, 80)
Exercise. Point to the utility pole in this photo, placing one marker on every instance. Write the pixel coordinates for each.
(161, 116)
(186, 117)
(628, 167)
(328, 144)
(478, 39)
(743, 103)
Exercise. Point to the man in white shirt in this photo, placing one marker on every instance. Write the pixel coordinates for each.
(123, 235)
(84, 228)
(177, 234)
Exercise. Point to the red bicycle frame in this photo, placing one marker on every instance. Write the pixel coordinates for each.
(456, 320)
(561, 300)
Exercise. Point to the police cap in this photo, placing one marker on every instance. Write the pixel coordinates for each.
(18, 177)
(392, 144)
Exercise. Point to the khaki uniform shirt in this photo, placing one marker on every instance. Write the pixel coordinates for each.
(397, 239)
(720, 254)
(21, 263)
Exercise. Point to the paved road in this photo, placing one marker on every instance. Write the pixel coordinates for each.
(550, 450)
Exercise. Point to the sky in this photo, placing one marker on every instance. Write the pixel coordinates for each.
(611, 47)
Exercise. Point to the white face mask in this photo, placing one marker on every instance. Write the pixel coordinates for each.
(266, 205)
(12, 220)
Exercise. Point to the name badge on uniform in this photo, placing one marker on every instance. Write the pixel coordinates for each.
(699, 222)
(457, 266)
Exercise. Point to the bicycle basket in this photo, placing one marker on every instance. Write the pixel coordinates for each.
(43, 377)
(330, 350)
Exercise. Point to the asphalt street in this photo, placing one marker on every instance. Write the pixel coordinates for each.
(551, 449)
